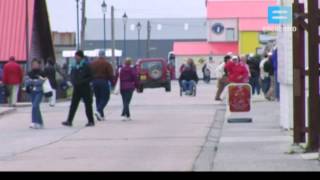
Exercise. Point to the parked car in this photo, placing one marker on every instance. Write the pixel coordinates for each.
(153, 73)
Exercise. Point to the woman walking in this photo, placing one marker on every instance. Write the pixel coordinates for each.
(34, 82)
(128, 83)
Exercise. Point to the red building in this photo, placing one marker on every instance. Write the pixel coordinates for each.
(25, 30)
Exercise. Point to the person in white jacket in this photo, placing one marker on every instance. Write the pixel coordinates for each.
(222, 77)
(264, 76)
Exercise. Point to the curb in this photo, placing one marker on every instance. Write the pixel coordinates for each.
(6, 112)
(205, 159)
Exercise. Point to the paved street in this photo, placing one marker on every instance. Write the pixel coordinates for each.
(169, 133)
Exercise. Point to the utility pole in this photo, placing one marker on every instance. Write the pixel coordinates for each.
(83, 24)
(114, 64)
(314, 113)
(148, 39)
(78, 28)
(312, 27)
(299, 79)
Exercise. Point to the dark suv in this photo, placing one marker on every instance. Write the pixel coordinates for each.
(153, 73)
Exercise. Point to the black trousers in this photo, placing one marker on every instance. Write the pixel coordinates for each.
(126, 99)
(81, 93)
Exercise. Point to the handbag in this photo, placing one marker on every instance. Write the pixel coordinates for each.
(47, 89)
(116, 90)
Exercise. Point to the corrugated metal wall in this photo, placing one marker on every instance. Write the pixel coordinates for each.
(13, 28)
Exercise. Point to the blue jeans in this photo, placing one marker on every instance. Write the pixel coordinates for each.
(126, 98)
(266, 83)
(36, 98)
(101, 90)
(254, 82)
(188, 85)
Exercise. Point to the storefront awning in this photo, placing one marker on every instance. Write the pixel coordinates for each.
(205, 48)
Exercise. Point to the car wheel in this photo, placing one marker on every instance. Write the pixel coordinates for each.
(168, 87)
(140, 89)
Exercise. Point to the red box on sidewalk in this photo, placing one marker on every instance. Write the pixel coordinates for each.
(239, 98)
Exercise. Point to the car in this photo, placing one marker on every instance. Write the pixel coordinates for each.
(153, 73)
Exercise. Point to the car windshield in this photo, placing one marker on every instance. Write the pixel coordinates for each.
(151, 65)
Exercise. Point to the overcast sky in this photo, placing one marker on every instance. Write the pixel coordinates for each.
(63, 12)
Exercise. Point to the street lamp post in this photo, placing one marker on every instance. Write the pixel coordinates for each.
(139, 27)
(104, 11)
(78, 28)
(125, 20)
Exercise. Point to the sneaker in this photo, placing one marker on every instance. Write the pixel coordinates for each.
(36, 126)
(40, 126)
(32, 126)
(129, 119)
(98, 116)
(90, 125)
(68, 124)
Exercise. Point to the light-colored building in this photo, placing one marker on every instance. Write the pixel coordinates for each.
(235, 26)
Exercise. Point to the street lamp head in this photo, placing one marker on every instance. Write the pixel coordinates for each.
(104, 7)
(139, 26)
(125, 18)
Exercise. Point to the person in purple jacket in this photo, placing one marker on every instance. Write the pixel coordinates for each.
(128, 83)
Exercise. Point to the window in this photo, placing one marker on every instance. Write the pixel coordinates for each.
(230, 33)
(132, 27)
(159, 27)
(186, 26)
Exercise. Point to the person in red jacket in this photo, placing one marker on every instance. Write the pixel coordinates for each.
(12, 78)
(237, 71)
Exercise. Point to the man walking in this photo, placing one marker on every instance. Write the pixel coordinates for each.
(81, 77)
(102, 78)
(12, 78)
(222, 76)
(254, 65)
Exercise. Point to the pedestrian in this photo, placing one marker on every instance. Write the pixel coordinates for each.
(3, 89)
(33, 83)
(81, 76)
(128, 83)
(254, 65)
(237, 71)
(102, 79)
(265, 80)
(12, 78)
(268, 68)
(189, 78)
(207, 69)
(222, 77)
(244, 64)
(50, 72)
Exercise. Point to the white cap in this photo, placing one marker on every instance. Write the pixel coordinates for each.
(234, 57)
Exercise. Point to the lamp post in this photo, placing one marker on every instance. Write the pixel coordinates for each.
(125, 20)
(139, 27)
(104, 11)
(78, 28)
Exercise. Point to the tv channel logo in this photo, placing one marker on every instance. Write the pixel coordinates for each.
(280, 15)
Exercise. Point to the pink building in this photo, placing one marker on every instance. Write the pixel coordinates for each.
(233, 26)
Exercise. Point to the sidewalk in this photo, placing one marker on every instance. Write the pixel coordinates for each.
(260, 146)
(6, 110)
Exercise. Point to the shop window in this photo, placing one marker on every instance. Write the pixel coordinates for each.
(230, 33)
